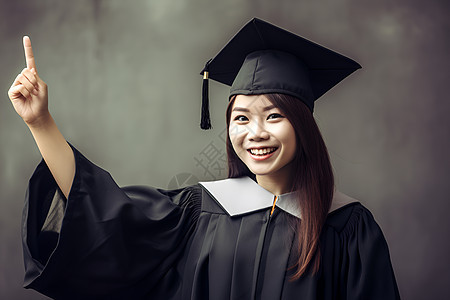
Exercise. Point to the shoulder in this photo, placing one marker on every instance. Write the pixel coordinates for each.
(235, 196)
(186, 195)
(347, 214)
(191, 190)
(183, 196)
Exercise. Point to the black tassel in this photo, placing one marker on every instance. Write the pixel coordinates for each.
(206, 120)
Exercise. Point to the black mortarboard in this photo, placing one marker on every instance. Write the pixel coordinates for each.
(262, 58)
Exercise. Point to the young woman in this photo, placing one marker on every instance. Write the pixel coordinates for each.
(275, 229)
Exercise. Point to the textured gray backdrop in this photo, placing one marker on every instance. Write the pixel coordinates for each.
(125, 90)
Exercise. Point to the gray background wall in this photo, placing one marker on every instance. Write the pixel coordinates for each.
(125, 90)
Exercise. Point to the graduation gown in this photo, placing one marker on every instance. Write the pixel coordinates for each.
(214, 240)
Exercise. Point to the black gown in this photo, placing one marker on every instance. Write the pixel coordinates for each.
(147, 243)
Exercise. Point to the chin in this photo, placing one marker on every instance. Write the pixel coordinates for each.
(261, 171)
(271, 169)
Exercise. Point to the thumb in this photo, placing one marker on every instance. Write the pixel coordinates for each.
(39, 80)
(41, 85)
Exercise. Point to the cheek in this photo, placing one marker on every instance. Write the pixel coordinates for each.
(292, 148)
(288, 139)
(236, 141)
(237, 131)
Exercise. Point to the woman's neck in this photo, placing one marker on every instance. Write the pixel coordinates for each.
(277, 183)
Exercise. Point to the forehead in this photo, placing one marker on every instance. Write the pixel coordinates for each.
(252, 102)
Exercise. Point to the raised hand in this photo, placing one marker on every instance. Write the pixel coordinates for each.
(29, 97)
(28, 92)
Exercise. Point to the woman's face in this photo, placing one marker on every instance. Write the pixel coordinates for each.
(261, 135)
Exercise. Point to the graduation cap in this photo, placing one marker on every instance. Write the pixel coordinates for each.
(263, 58)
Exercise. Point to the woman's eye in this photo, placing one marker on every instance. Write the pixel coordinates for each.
(241, 118)
(274, 116)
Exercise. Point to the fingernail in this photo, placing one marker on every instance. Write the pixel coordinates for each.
(35, 92)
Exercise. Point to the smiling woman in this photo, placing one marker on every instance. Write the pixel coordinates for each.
(274, 229)
(263, 139)
(300, 162)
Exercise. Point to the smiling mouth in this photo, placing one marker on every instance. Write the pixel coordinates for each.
(262, 151)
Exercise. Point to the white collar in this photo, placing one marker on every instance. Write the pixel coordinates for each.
(243, 195)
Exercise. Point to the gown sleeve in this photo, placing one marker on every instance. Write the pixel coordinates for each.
(112, 243)
(367, 271)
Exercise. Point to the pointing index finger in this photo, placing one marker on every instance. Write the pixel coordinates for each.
(29, 57)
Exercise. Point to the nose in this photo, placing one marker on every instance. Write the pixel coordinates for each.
(257, 131)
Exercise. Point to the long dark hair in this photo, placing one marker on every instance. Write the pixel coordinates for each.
(312, 178)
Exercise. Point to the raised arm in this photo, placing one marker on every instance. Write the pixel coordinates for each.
(29, 97)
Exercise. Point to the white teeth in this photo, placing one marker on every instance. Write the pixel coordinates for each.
(262, 151)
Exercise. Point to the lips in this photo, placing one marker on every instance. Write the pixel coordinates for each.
(262, 151)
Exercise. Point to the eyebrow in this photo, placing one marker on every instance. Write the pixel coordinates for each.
(247, 110)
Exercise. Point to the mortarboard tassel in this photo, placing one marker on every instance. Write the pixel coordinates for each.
(206, 120)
